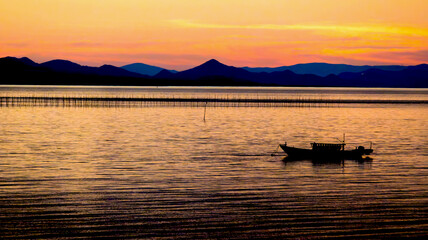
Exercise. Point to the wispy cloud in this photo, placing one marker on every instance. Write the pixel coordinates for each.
(86, 44)
(350, 29)
(374, 58)
(406, 56)
(14, 44)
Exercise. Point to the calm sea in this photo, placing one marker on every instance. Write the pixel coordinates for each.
(162, 172)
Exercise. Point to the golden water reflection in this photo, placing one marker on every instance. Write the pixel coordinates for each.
(136, 172)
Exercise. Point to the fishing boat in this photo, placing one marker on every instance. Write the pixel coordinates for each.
(326, 151)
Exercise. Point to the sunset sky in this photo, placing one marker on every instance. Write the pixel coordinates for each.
(182, 34)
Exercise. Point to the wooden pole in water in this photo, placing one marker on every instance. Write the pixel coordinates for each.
(205, 110)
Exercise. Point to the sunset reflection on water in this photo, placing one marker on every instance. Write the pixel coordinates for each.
(164, 172)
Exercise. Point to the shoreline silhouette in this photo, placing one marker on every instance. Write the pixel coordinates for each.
(24, 71)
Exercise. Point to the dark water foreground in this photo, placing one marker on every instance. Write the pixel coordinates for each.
(128, 212)
(164, 173)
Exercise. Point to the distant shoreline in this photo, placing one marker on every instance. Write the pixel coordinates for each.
(210, 87)
(23, 71)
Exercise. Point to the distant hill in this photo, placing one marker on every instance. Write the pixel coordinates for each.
(63, 72)
(164, 74)
(324, 69)
(71, 67)
(144, 69)
(415, 76)
(410, 77)
(27, 61)
(213, 68)
(211, 73)
(10, 66)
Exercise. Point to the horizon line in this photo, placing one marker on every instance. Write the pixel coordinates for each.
(302, 63)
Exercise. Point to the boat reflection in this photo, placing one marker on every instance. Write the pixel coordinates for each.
(326, 161)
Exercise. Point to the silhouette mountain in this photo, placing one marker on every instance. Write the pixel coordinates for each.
(289, 78)
(110, 70)
(144, 69)
(25, 71)
(410, 77)
(71, 67)
(324, 69)
(372, 77)
(17, 65)
(211, 73)
(164, 74)
(213, 68)
(27, 61)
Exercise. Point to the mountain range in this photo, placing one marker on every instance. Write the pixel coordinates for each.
(211, 73)
(145, 69)
(324, 69)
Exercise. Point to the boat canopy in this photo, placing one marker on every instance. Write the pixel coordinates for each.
(328, 146)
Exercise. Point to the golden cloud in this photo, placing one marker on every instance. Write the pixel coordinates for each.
(344, 29)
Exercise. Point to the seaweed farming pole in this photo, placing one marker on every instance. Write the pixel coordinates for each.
(192, 101)
(205, 110)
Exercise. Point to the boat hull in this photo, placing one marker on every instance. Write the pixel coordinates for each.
(301, 153)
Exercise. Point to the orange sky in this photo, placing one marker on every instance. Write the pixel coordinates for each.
(182, 34)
